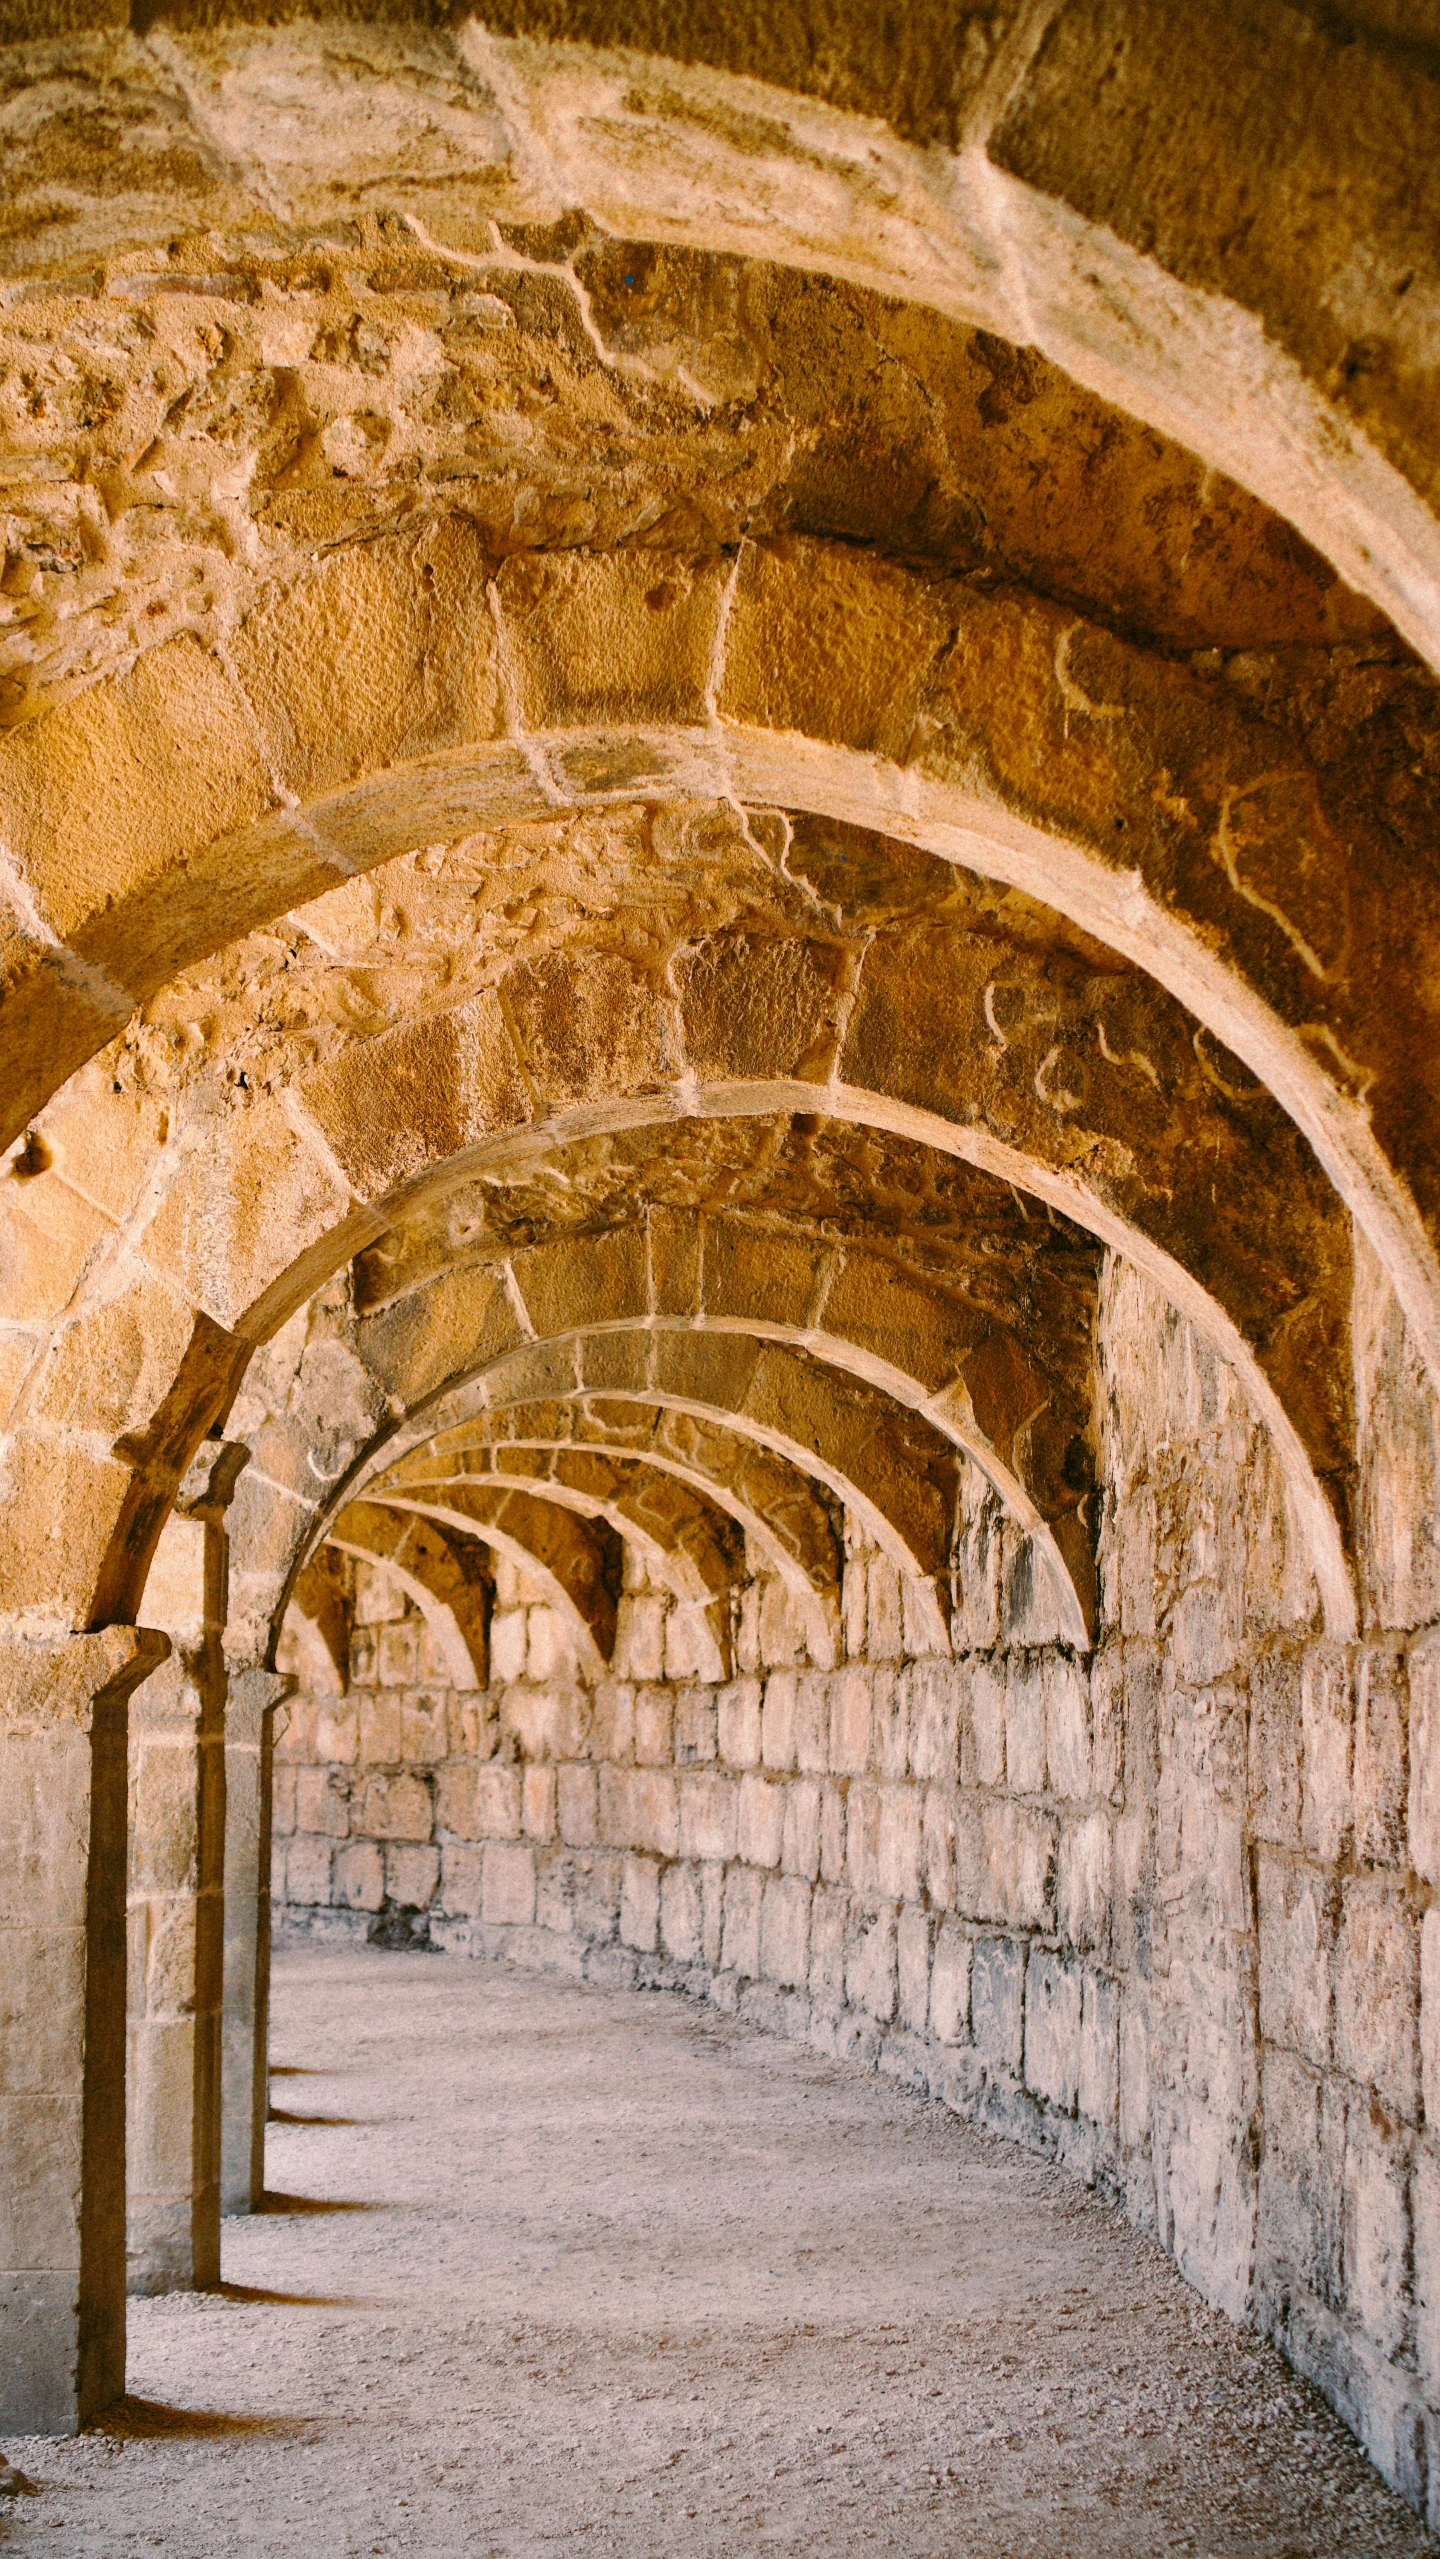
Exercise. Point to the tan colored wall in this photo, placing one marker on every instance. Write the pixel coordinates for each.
(1164, 1914)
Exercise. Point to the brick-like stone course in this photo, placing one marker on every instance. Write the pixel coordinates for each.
(1161, 1913)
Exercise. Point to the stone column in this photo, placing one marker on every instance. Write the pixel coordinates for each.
(249, 1779)
(177, 1899)
(63, 1720)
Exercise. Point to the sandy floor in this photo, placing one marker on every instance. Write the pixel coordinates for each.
(554, 2268)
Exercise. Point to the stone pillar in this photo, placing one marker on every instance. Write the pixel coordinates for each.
(177, 1899)
(176, 1937)
(249, 1780)
(63, 1731)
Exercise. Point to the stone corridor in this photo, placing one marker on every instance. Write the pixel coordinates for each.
(560, 2268)
(720, 1152)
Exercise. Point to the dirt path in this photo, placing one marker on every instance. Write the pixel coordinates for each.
(603, 2273)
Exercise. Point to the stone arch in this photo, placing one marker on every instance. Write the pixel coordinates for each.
(424, 1544)
(688, 1547)
(1149, 806)
(437, 1567)
(997, 179)
(589, 1445)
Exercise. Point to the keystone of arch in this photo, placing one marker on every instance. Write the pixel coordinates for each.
(1003, 187)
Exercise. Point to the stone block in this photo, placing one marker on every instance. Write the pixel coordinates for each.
(884, 1611)
(777, 1722)
(912, 1969)
(1098, 2083)
(933, 1717)
(761, 1820)
(738, 1723)
(577, 1803)
(1134, 2075)
(829, 1927)
(337, 1730)
(612, 1709)
(987, 1722)
(1326, 1726)
(889, 1722)
(1300, 2194)
(1018, 1852)
(640, 1903)
(709, 1811)
(680, 1913)
(320, 1804)
(1379, 1768)
(654, 1727)
(1378, 2153)
(833, 1846)
(478, 1802)
(359, 1875)
(740, 1946)
(870, 1964)
(308, 1863)
(380, 1730)
(1025, 1725)
(1425, 2227)
(1377, 1994)
(508, 1885)
(424, 1727)
(411, 1875)
(1430, 2016)
(785, 1931)
(400, 1654)
(950, 1985)
(1275, 1749)
(507, 1646)
(640, 1637)
(897, 1861)
(780, 1633)
(695, 1728)
(812, 1723)
(596, 1893)
(461, 1872)
(997, 2001)
(1069, 1766)
(862, 1837)
(1052, 2029)
(1423, 1810)
(538, 1803)
(800, 1838)
(548, 1721)
(639, 1808)
(1296, 1940)
(849, 1723)
(937, 1846)
(1083, 1883)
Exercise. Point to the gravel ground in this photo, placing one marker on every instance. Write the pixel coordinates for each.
(552, 2267)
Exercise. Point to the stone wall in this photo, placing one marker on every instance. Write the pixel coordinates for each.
(1163, 1913)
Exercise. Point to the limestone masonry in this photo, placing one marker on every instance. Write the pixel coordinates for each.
(720, 1088)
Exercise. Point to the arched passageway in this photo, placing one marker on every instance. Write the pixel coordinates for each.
(718, 1033)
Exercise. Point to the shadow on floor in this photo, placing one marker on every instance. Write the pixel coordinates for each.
(244, 2293)
(338, 2123)
(270, 2202)
(132, 2420)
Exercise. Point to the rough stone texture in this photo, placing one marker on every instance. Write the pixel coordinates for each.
(1115, 1908)
(691, 863)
